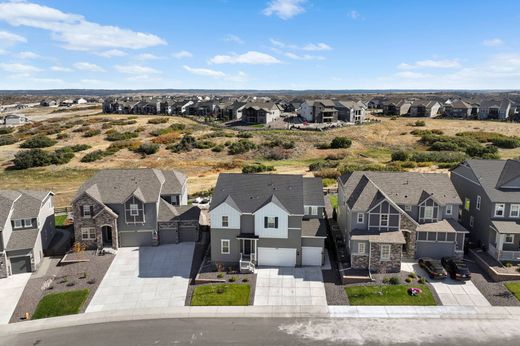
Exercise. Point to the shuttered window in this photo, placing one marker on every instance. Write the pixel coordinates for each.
(271, 222)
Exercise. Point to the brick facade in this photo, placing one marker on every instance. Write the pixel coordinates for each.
(391, 266)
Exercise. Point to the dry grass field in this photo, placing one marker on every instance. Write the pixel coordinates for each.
(372, 143)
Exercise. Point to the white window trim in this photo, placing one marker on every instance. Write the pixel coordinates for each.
(362, 220)
(389, 247)
(407, 208)
(90, 233)
(449, 209)
(227, 221)
(361, 246)
(18, 226)
(430, 210)
(503, 209)
(381, 220)
(86, 211)
(222, 242)
(27, 223)
(517, 206)
(269, 224)
(512, 239)
(479, 202)
(134, 209)
(314, 211)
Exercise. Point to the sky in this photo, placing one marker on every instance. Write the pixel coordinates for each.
(260, 44)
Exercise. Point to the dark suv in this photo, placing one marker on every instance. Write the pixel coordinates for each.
(433, 268)
(456, 268)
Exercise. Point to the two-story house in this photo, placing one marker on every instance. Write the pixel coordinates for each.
(319, 111)
(351, 111)
(134, 207)
(428, 109)
(386, 216)
(26, 229)
(267, 220)
(495, 109)
(260, 112)
(490, 190)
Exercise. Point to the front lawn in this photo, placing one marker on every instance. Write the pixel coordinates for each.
(514, 287)
(221, 295)
(60, 304)
(388, 295)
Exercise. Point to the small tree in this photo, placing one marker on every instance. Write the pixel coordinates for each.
(340, 143)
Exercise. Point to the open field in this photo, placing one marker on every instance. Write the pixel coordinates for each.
(371, 144)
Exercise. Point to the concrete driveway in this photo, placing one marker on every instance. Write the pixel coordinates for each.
(145, 277)
(11, 290)
(451, 292)
(290, 286)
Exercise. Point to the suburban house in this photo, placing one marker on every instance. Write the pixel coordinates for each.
(26, 229)
(260, 112)
(48, 103)
(134, 207)
(428, 109)
(491, 193)
(396, 108)
(386, 216)
(203, 108)
(458, 109)
(493, 109)
(267, 220)
(351, 111)
(319, 111)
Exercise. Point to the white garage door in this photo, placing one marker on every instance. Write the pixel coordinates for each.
(277, 257)
(311, 256)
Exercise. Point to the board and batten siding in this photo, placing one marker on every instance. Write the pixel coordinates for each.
(271, 210)
(225, 209)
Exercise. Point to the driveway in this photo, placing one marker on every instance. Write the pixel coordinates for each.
(11, 289)
(451, 292)
(145, 277)
(290, 286)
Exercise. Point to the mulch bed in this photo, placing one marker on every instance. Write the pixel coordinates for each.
(60, 277)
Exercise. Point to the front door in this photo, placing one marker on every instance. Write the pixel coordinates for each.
(107, 234)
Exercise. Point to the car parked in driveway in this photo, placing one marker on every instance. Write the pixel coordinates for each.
(433, 267)
(456, 268)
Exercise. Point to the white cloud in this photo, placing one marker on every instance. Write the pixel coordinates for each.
(354, 14)
(234, 39)
(277, 43)
(73, 30)
(206, 72)
(251, 57)
(493, 42)
(86, 66)
(284, 9)
(8, 38)
(304, 57)
(446, 63)
(111, 53)
(28, 55)
(136, 69)
(60, 69)
(412, 75)
(316, 47)
(147, 56)
(19, 68)
(182, 54)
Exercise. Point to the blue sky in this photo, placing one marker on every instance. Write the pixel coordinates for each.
(260, 44)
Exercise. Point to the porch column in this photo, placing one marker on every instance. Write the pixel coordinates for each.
(115, 239)
(500, 244)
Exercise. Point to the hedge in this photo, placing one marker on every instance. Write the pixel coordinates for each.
(257, 168)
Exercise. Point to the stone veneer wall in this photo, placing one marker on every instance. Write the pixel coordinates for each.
(3, 266)
(391, 266)
(411, 237)
(359, 261)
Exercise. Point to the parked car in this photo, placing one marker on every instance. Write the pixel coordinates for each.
(456, 268)
(433, 267)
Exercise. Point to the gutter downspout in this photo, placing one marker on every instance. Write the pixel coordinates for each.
(369, 259)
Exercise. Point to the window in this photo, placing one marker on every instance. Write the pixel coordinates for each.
(361, 248)
(441, 236)
(408, 208)
(134, 210)
(450, 237)
(271, 222)
(510, 239)
(383, 220)
(421, 235)
(225, 221)
(88, 233)
(428, 213)
(225, 246)
(467, 204)
(27, 222)
(87, 211)
(500, 209)
(385, 252)
(432, 236)
(471, 221)
(314, 210)
(515, 210)
(479, 201)
(360, 218)
(18, 224)
(449, 209)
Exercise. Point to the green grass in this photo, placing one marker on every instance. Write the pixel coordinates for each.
(388, 295)
(514, 287)
(59, 220)
(333, 200)
(231, 294)
(60, 304)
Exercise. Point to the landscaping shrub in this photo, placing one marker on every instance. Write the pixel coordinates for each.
(156, 121)
(232, 279)
(93, 156)
(444, 146)
(447, 165)
(437, 156)
(497, 139)
(408, 280)
(376, 167)
(187, 143)
(6, 130)
(280, 143)
(394, 280)
(422, 281)
(178, 127)
(217, 148)
(7, 140)
(506, 143)
(80, 147)
(148, 148)
(245, 280)
(61, 156)
(38, 141)
(257, 168)
(204, 144)
(401, 155)
(31, 158)
(420, 123)
(91, 133)
(412, 275)
(322, 146)
(119, 136)
(220, 275)
(241, 147)
(408, 164)
(340, 142)
(328, 173)
(106, 126)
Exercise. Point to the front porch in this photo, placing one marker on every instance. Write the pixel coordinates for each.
(504, 242)
(248, 252)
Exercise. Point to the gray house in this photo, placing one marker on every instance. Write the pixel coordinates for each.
(491, 193)
(495, 109)
(351, 111)
(267, 220)
(428, 109)
(387, 216)
(26, 229)
(134, 207)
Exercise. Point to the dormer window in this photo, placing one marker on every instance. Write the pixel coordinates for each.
(134, 210)
(271, 222)
(428, 213)
(27, 223)
(449, 209)
(500, 209)
(225, 221)
(18, 224)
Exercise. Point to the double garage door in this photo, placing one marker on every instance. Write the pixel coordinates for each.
(185, 234)
(135, 238)
(283, 257)
(20, 264)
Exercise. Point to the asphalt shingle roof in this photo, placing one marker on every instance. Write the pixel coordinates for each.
(22, 239)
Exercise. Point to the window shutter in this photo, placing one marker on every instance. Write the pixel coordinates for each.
(265, 222)
(81, 210)
(276, 222)
(91, 211)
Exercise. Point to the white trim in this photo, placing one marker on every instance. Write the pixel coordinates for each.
(428, 212)
(512, 238)
(479, 202)
(517, 206)
(18, 226)
(364, 248)
(381, 220)
(362, 218)
(407, 208)
(503, 205)
(222, 241)
(449, 209)
(222, 221)
(386, 258)
(134, 209)
(85, 208)
(86, 233)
